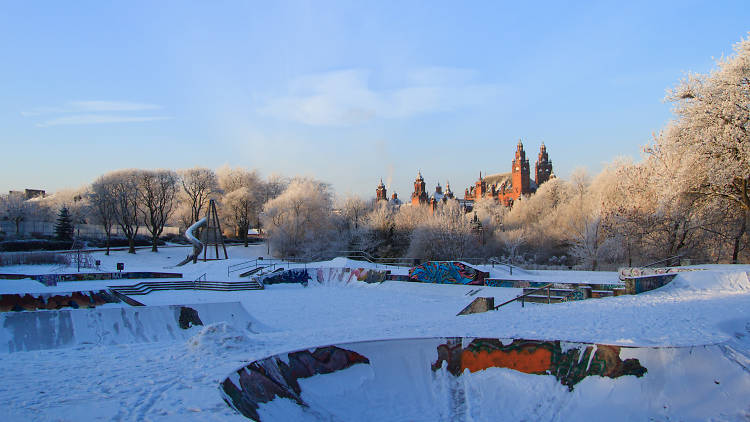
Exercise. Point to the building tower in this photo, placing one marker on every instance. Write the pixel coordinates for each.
(543, 166)
(380, 192)
(448, 193)
(521, 172)
(419, 197)
(480, 188)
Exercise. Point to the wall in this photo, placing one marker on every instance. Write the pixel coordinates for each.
(327, 276)
(446, 272)
(37, 301)
(53, 279)
(633, 286)
(295, 275)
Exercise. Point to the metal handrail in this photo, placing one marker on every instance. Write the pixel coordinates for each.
(548, 286)
(664, 260)
(198, 280)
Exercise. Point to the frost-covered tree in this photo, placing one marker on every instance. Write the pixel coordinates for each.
(354, 209)
(710, 133)
(243, 198)
(299, 221)
(157, 197)
(198, 186)
(445, 235)
(14, 207)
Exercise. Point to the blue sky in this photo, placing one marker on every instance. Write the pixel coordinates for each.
(347, 92)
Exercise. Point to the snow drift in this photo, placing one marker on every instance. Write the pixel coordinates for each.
(24, 331)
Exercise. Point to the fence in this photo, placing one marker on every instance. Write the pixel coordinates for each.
(47, 228)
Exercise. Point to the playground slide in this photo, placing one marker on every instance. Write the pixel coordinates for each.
(197, 244)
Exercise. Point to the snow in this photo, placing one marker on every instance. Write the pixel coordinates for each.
(177, 379)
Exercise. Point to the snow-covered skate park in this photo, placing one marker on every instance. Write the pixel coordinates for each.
(347, 339)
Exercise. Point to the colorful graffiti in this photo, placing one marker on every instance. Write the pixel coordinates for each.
(448, 272)
(570, 366)
(53, 279)
(49, 301)
(348, 275)
(267, 379)
(294, 276)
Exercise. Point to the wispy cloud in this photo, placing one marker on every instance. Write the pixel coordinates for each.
(93, 112)
(95, 119)
(345, 97)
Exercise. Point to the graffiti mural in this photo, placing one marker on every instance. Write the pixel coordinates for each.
(49, 301)
(267, 379)
(569, 366)
(348, 275)
(450, 272)
(294, 276)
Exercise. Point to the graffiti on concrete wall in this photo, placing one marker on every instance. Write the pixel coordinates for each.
(267, 379)
(293, 276)
(634, 286)
(448, 272)
(49, 301)
(338, 276)
(570, 365)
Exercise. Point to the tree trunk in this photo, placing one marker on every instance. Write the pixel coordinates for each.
(107, 244)
(131, 244)
(154, 239)
(738, 239)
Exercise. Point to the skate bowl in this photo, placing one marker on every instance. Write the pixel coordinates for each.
(57, 329)
(485, 379)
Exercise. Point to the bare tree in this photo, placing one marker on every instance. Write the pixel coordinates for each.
(157, 197)
(102, 199)
(198, 185)
(126, 194)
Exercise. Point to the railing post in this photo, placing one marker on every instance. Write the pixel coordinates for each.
(549, 301)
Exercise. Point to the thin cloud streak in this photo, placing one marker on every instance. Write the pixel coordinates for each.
(93, 119)
(91, 106)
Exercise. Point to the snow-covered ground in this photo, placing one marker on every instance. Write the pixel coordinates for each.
(178, 380)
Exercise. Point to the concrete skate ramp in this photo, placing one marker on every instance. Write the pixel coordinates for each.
(25, 331)
(472, 379)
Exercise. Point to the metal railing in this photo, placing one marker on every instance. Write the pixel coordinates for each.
(675, 258)
(265, 262)
(364, 256)
(523, 296)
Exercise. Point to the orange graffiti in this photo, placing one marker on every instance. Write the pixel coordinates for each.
(535, 360)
